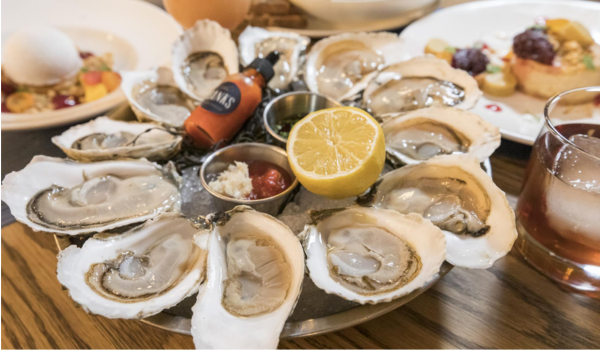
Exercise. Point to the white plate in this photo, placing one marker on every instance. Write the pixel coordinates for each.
(496, 22)
(138, 34)
(400, 13)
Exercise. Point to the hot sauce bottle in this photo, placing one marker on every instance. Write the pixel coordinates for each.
(221, 116)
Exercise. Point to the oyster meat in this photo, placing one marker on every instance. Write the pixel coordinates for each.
(202, 58)
(340, 66)
(154, 96)
(425, 133)
(255, 42)
(455, 194)
(106, 139)
(419, 83)
(137, 273)
(65, 197)
(255, 268)
(371, 255)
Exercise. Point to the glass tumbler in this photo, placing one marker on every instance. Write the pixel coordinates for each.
(558, 213)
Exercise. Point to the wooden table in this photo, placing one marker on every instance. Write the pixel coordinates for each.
(507, 306)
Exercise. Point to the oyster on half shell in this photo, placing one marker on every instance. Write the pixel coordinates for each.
(155, 97)
(255, 42)
(371, 255)
(255, 268)
(107, 139)
(70, 198)
(137, 273)
(419, 83)
(422, 134)
(202, 58)
(455, 194)
(340, 66)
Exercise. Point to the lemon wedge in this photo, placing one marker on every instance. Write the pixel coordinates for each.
(337, 152)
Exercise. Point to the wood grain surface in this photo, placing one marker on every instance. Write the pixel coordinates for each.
(507, 306)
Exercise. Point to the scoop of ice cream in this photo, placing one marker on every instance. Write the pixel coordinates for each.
(40, 56)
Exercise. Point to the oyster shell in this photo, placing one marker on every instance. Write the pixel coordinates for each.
(340, 66)
(425, 133)
(202, 58)
(255, 268)
(70, 198)
(455, 194)
(137, 273)
(255, 42)
(107, 139)
(371, 255)
(154, 96)
(418, 83)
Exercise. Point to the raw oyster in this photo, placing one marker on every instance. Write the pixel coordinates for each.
(340, 66)
(371, 255)
(255, 268)
(257, 42)
(154, 96)
(107, 139)
(70, 198)
(425, 133)
(418, 83)
(137, 273)
(202, 58)
(455, 194)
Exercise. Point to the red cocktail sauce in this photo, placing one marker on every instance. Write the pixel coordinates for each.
(268, 179)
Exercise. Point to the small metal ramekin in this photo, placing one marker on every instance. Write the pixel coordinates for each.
(247, 152)
(290, 104)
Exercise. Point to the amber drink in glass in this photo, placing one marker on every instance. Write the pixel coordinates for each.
(558, 213)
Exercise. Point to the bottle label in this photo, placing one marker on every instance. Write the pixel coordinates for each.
(224, 99)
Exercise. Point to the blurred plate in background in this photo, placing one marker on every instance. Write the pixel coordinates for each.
(330, 17)
(138, 34)
(496, 22)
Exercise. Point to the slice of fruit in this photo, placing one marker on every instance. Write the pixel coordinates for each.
(439, 48)
(499, 84)
(94, 92)
(19, 102)
(91, 78)
(337, 152)
(567, 30)
(111, 80)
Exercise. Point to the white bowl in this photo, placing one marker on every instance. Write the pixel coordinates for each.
(138, 34)
(342, 14)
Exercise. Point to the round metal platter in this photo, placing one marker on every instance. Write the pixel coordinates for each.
(316, 312)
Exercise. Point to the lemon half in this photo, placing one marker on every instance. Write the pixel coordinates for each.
(337, 152)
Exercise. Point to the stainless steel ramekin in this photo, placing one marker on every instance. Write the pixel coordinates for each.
(291, 104)
(246, 152)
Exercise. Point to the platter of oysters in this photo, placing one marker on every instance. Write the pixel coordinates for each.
(151, 229)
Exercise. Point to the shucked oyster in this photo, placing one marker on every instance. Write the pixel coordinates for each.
(154, 96)
(106, 139)
(425, 133)
(65, 197)
(258, 43)
(341, 65)
(255, 268)
(371, 255)
(455, 194)
(419, 83)
(137, 273)
(202, 58)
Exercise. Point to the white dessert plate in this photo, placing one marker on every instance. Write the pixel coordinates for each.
(138, 34)
(496, 22)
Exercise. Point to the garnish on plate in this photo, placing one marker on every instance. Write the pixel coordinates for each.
(38, 78)
(550, 56)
